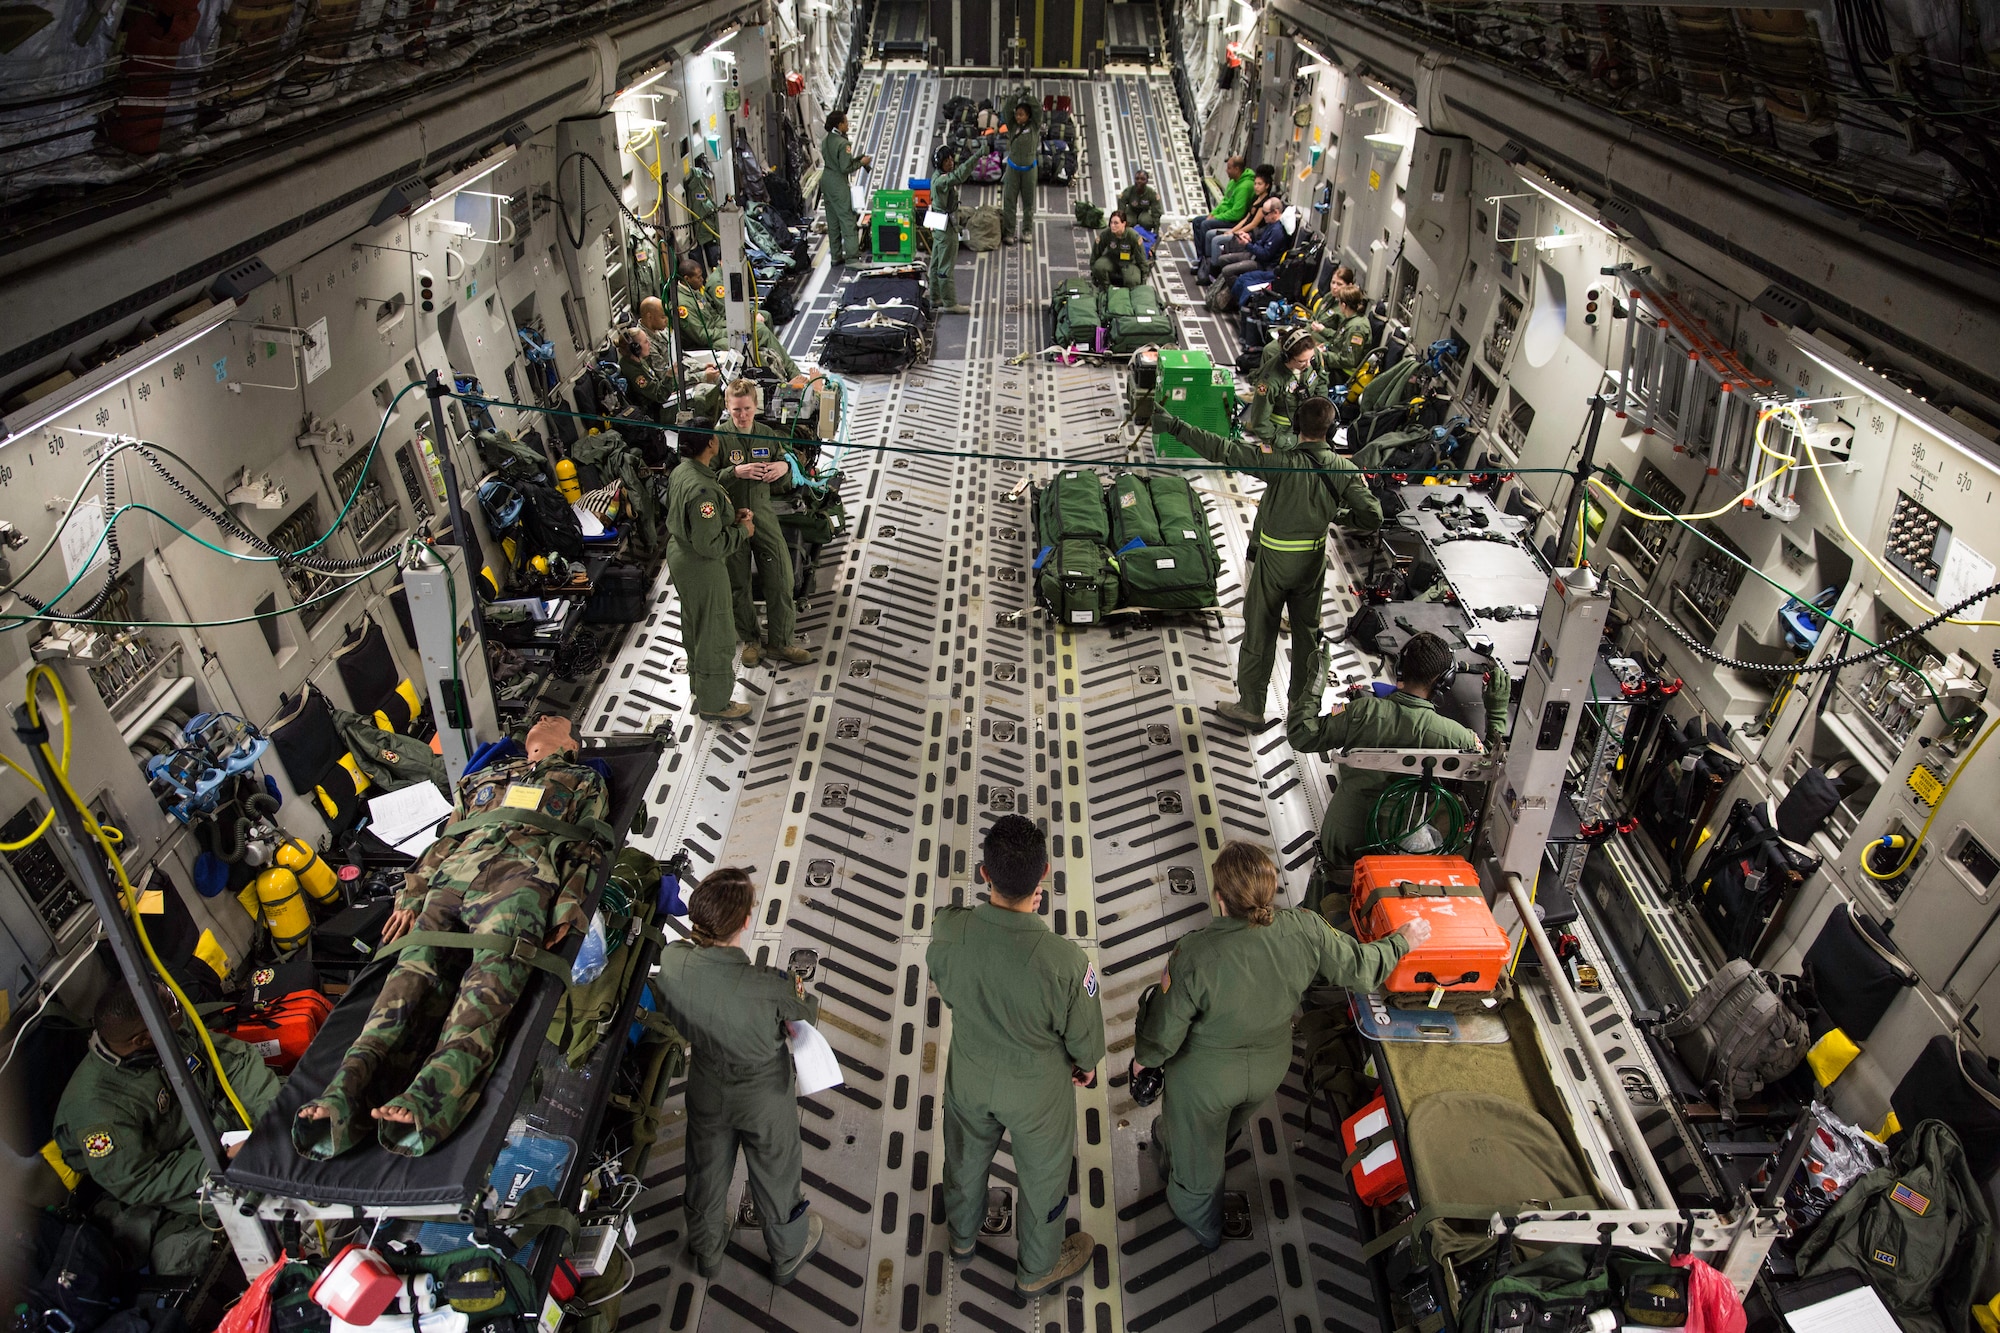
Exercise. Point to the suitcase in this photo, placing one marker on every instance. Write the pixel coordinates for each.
(282, 1029)
(1079, 582)
(1373, 1159)
(1072, 506)
(1467, 952)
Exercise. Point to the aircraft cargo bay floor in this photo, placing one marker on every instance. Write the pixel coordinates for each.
(941, 698)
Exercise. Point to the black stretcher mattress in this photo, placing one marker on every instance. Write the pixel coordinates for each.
(454, 1175)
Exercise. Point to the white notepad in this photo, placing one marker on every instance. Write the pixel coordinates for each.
(1857, 1311)
(407, 820)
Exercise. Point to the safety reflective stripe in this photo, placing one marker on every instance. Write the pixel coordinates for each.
(1271, 543)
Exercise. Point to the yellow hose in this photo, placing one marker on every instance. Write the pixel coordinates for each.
(108, 839)
(1910, 856)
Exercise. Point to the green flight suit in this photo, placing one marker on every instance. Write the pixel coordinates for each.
(1023, 1011)
(704, 326)
(1346, 345)
(1020, 168)
(698, 188)
(703, 535)
(1283, 389)
(122, 1127)
(741, 1093)
(1141, 206)
(499, 870)
(643, 384)
(1118, 261)
(836, 186)
(944, 244)
(1222, 1027)
(767, 546)
(1398, 721)
(1306, 488)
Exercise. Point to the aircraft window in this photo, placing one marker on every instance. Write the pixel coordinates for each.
(1548, 318)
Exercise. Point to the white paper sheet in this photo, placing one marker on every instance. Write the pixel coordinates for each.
(407, 820)
(592, 525)
(1857, 1311)
(936, 221)
(1965, 572)
(817, 1068)
(857, 194)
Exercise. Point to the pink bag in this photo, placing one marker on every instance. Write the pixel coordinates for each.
(1713, 1306)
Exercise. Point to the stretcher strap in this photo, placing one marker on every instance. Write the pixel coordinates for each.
(585, 830)
(1423, 1217)
(520, 950)
(1366, 1146)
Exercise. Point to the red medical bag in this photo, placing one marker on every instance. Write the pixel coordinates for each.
(1378, 1173)
(282, 1028)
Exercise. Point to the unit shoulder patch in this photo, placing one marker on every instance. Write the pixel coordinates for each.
(98, 1143)
(1090, 980)
(708, 509)
(682, 311)
(263, 976)
(1910, 1199)
(483, 795)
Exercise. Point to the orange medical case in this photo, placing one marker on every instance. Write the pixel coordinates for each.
(1378, 1171)
(1467, 951)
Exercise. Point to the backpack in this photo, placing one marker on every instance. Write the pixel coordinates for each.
(1079, 581)
(982, 226)
(1077, 312)
(1182, 516)
(1747, 873)
(1166, 578)
(1133, 318)
(1072, 506)
(1741, 1031)
(80, 1272)
(512, 457)
(549, 525)
(1134, 521)
(1088, 214)
(1918, 1229)
(1560, 1287)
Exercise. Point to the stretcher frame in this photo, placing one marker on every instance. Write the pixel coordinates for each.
(247, 1212)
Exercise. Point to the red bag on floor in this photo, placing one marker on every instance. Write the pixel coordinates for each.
(252, 1311)
(1372, 1155)
(281, 1029)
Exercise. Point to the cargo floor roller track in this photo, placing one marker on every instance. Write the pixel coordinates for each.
(941, 698)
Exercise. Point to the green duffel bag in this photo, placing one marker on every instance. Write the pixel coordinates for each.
(1072, 506)
(1077, 312)
(1133, 522)
(1183, 517)
(1166, 578)
(982, 228)
(1088, 214)
(1140, 300)
(1134, 318)
(1079, 581)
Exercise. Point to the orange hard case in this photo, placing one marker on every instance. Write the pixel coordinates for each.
(1467, 951)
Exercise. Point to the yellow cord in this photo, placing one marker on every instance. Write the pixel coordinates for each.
(1889, 576)
(48, 819)
(1727, 507)
(1910, 856)
(108, 839)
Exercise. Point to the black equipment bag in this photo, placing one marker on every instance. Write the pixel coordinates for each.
(1959, 1087)
(617, 597)
(1685, 777)
(1813, 798)
(304, 738)
(881, 327)
(550, 526)
(1855, 971)
(366, 665)
(78, 1272)
(1749, 871)
(1298, 271)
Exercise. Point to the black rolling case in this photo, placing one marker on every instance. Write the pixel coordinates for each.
(883, 325)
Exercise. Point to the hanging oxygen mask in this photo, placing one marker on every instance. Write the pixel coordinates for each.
(214, 748)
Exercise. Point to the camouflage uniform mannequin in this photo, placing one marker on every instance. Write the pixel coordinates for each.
(1119, 257)
(1288, 374)
(1404, 720)
(836, 186)
(944, 244)
(514, 864)
(706, 529)
(704, 324)
(1306, 488)
(1221, 1021)
(120, 1124)
(1021, 164)
(741, 1092)
(1026, 1026)
(747, 449)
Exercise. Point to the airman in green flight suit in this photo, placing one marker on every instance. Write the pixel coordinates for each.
(1349, 341)
(1307, 487)
(1221, 1020)
(1026, 1032)
(836, 186)
(741, 1091)
(705, 529)
(945, 185)
(1020, 162)
(754, 463)
(704, 324)
(1288, 374)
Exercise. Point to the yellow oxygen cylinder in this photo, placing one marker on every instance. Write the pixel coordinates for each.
(566, 482)
(284, 908)
(314, 874)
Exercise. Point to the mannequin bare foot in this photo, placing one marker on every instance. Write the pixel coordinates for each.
(401, 1115)
(315, 1111)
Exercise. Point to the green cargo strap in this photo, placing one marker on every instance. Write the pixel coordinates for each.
(1366, 1146)
(1271, 543)
(1406, 888)
(1423, 1217)
(521, 951)
(584, 830)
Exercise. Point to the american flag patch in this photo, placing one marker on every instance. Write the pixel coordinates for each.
(1910, 1199)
